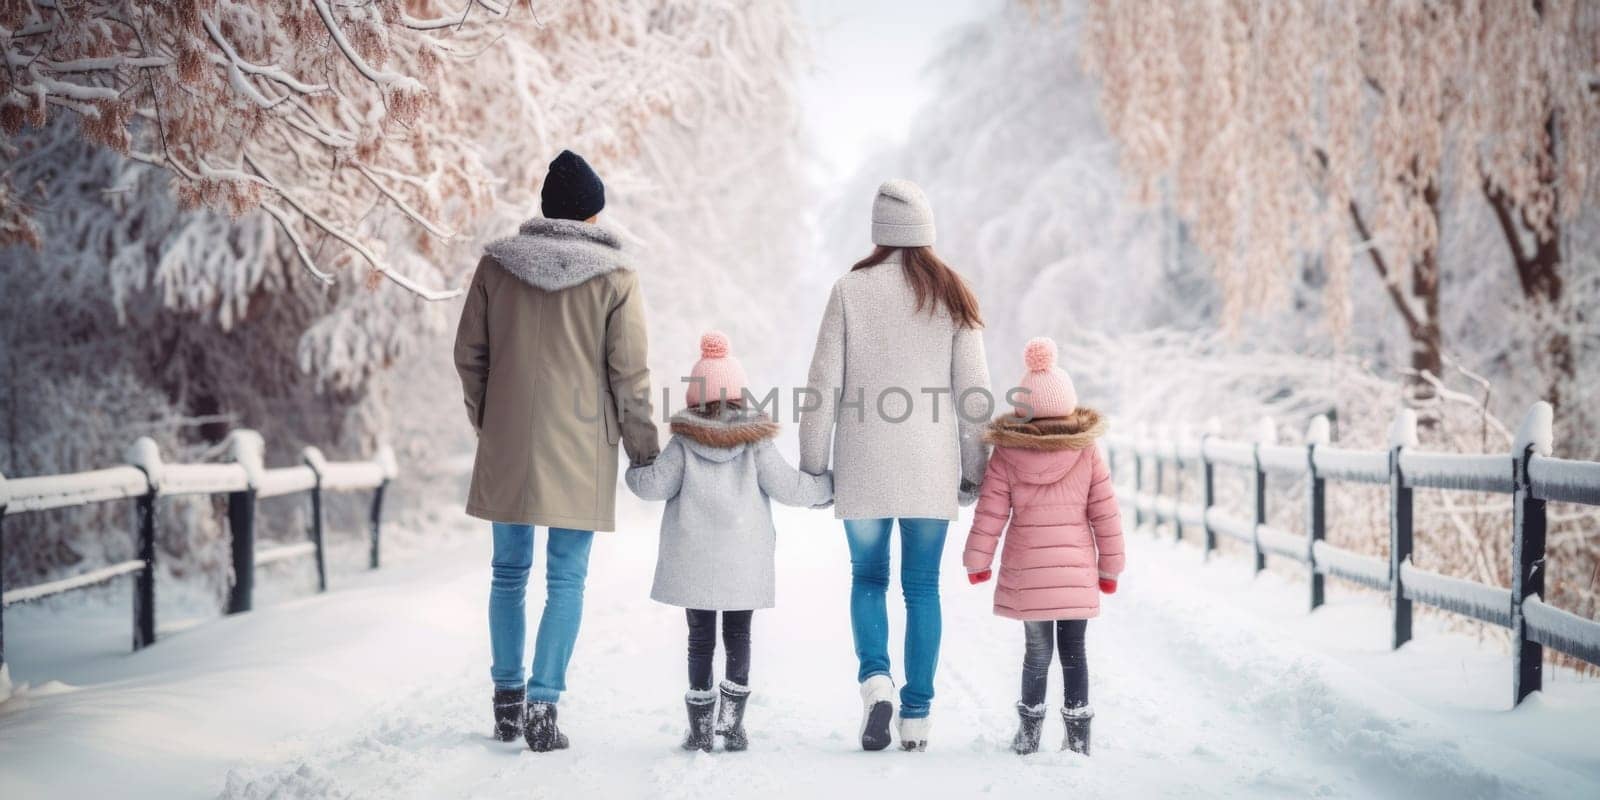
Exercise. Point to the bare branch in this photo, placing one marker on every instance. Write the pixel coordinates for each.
(299, 245)
(351, 242)
(1402, 303)
(380, 77)
(271, 72)
(416, 216)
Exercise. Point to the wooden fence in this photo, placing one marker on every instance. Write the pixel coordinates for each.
(1528, 473)
(145, 479)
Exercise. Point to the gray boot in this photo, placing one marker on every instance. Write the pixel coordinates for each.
(1077, 720)
(730, 717)
(702, 707)
(540, 730)
(508, 712)
(1030, 726)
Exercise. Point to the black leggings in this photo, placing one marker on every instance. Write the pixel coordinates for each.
(1043, 638)
(703, 645)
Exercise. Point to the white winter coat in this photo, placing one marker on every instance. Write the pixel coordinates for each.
(876, 346)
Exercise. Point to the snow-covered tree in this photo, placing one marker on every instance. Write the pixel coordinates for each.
(127, 273)
(1022, 172)
(1342, 128)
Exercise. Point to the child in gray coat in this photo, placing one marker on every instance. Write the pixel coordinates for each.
(717, 539)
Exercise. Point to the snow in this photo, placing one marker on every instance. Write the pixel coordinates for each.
(1564, 479)
(1537, 430)
(1561, 629)
(248, 449)
(1488, 603)
(1230, 453)
(286, 480)
(1363, 569)
(1479, 473)
(57, 491)
(1282, 459)
(1228, 524)
(203, 479)
(1338, 463)
(267, 555)
(1403, 430)
(1206, 683)
(352, 474)
(1281, 543)
(39, 591)
(1191, 515)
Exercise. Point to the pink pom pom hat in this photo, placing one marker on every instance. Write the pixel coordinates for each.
(718, 375)
(1049, 390)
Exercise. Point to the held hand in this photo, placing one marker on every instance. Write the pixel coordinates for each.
(1108, 585)
(967, 493)
(978, 577)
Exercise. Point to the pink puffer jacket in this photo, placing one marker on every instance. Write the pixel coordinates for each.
(1046, 478)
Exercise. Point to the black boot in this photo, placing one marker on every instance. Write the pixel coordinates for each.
(1030, 725)
(730, 717)
(508, 713)
(1077, 720)
(702, 707)
(539, 728)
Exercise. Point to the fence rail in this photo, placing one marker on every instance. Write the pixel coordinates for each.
(1528, 473)
(245, 480)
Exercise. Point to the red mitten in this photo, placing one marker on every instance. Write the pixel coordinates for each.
(1108, 585)
(978, 577)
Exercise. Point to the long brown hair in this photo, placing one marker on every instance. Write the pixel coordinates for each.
(935, 283)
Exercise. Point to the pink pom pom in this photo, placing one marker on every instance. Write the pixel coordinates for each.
(714, 344)
(1040, 354)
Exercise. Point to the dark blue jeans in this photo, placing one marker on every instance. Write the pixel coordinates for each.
(566, 570)
(921, 546)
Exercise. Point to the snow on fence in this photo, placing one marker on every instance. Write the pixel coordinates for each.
(1528, 473)
(146, 479)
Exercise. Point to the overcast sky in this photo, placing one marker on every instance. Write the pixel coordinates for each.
(867, 76)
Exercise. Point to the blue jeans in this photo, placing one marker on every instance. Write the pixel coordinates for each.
(566, 567)
(921, 545)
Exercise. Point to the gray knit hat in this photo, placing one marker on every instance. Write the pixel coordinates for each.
(901, 216)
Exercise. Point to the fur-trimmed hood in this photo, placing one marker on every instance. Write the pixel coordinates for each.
(555, 254)
(722, 437)
(1076, 431)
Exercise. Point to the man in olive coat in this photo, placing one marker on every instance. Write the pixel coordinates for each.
(551, 351)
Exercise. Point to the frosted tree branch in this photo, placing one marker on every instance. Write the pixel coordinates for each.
(355, 245)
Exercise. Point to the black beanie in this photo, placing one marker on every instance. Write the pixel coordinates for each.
(571, 189)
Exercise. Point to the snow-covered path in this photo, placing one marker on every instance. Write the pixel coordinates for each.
(1206, 683)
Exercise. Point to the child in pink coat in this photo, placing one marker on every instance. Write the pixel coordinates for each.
(1049, 491)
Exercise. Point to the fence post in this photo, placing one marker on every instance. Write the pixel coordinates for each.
(1138, 482)
(1208, 496)
(1177, 483)
(1316, 507)
(1160, 479)
(242, 531)
(1402, 434)
(145, 455)
(313, 459)
(1266, 433)
(391, 468)
(1534, 437)
(4, 498)
(245, 446)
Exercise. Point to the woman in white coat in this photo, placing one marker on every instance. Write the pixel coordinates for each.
(902, 394)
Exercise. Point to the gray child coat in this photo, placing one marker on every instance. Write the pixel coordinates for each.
(717, 539)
